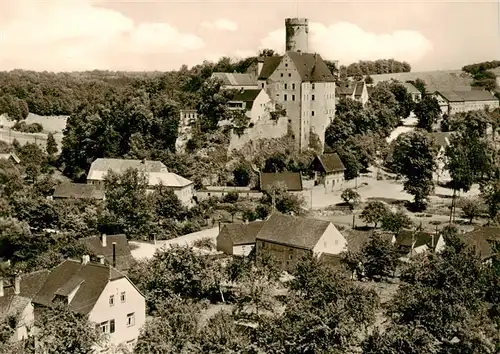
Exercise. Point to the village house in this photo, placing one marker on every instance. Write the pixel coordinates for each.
(329, 171)
(357, 91)
(236, 81)
(288, 239)
(291, 182)
(16, 294)
(238, 239)
(410, 243)
(110, 250)
(78, 191)
(221, 191)
(452, 102)
(156, 173)
(10, 156)
(415, 94)
(105, 295)
(442, 141)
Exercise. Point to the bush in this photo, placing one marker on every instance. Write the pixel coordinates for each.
(231, 197)
(204, 243)
(23, 127)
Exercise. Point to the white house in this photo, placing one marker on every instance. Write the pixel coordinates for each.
(289, 238)
(452, 102)
(238, 239)
(155, 171)
(107, 296)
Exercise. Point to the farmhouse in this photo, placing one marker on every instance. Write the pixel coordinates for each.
(452, 102)
(156, 173)
(107, 296)
(238, 239)
(289, 238)
(329, 170)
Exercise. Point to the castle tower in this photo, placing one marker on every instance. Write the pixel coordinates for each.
(297, 35)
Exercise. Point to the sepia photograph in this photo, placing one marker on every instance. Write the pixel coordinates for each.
(249, 177)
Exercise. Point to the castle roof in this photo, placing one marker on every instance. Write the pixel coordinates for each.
(311, 67)
(236, 79)
(270, 64)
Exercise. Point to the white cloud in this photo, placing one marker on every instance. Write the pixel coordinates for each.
(244, 53)
(349, 43)
(64, 35)
(221, 24)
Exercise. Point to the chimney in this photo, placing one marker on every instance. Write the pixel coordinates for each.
(114, 254)
(17, 284)
(103, 240)
(101, 259)
(85, 259)
(1, 287)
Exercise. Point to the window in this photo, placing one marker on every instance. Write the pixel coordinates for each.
(286, 65)
(290, 256)
(284, 97)
(289, 75)
(281, 74)
(112, 300)
(130, 319)
(293, 86)
(336, 242)
(285, 86)
(112, 326)
(293, 97)
(312, 113)
(262, 85)
(312, 85)
(104, 327)
(122, 297)
(312, 98)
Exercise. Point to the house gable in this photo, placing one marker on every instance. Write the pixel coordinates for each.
(331, 242)
(285, 71)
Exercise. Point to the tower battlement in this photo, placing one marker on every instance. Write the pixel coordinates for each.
(297, 35)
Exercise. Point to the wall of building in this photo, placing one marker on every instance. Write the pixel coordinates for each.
(26, 320)
(467, 106)
(285, 87)
(243, 250)
(332, 242)
(205, 194)
(263, 129)
(286, 256)
(185, 195)
(134, 303)
(333, 181)
(318, 107)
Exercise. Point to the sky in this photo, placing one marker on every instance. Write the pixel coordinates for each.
(68, 35)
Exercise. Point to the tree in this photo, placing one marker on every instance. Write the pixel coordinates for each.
(427, 112)
(285, 202)
(61, 330)
(396, 221)
(490, 192)
(51, 146)
(166, 203)
(380, 258)
(131, 209)
(375, 212)
(414, 158)
(471, 208)
(351, 198)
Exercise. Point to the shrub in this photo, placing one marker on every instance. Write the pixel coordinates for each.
(23, 127)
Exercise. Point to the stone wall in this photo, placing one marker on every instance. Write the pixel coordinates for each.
(266, 129)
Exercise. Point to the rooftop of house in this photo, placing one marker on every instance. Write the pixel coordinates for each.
(124, 258)
(467, 96)
(486, 232)
(434, 80)
(86, 280)
(29, 285)
(330, 162)
(168, 179)
(78, 191)
(236, 79)
(310, 66)
(410, 88)
(10, 155)
(101, 166)
(478, 241)
(242, 234)
(291, 180)
(442, 139)
(246, 95)
(359, 89)
(292, 231)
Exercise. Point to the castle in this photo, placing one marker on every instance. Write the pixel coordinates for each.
(299, 82)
